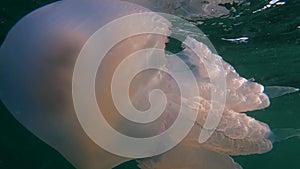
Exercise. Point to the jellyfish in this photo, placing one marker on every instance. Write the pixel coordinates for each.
(37, 61)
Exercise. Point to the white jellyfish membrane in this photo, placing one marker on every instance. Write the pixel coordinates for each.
(39, 54)
(277, 91)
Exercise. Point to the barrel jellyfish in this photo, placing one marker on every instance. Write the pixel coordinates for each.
(38, 57)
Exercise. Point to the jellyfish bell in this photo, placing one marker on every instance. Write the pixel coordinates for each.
(37, 60)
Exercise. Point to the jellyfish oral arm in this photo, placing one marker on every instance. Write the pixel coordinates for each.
(281, 134)
(277, 91)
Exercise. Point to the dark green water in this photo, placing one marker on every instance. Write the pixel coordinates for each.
(271, 56)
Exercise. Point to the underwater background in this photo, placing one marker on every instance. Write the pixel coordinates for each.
(269, 52)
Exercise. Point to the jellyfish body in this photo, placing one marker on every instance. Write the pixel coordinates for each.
(37, 60)
(36, 63)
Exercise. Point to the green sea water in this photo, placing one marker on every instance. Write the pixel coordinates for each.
(271, 56)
